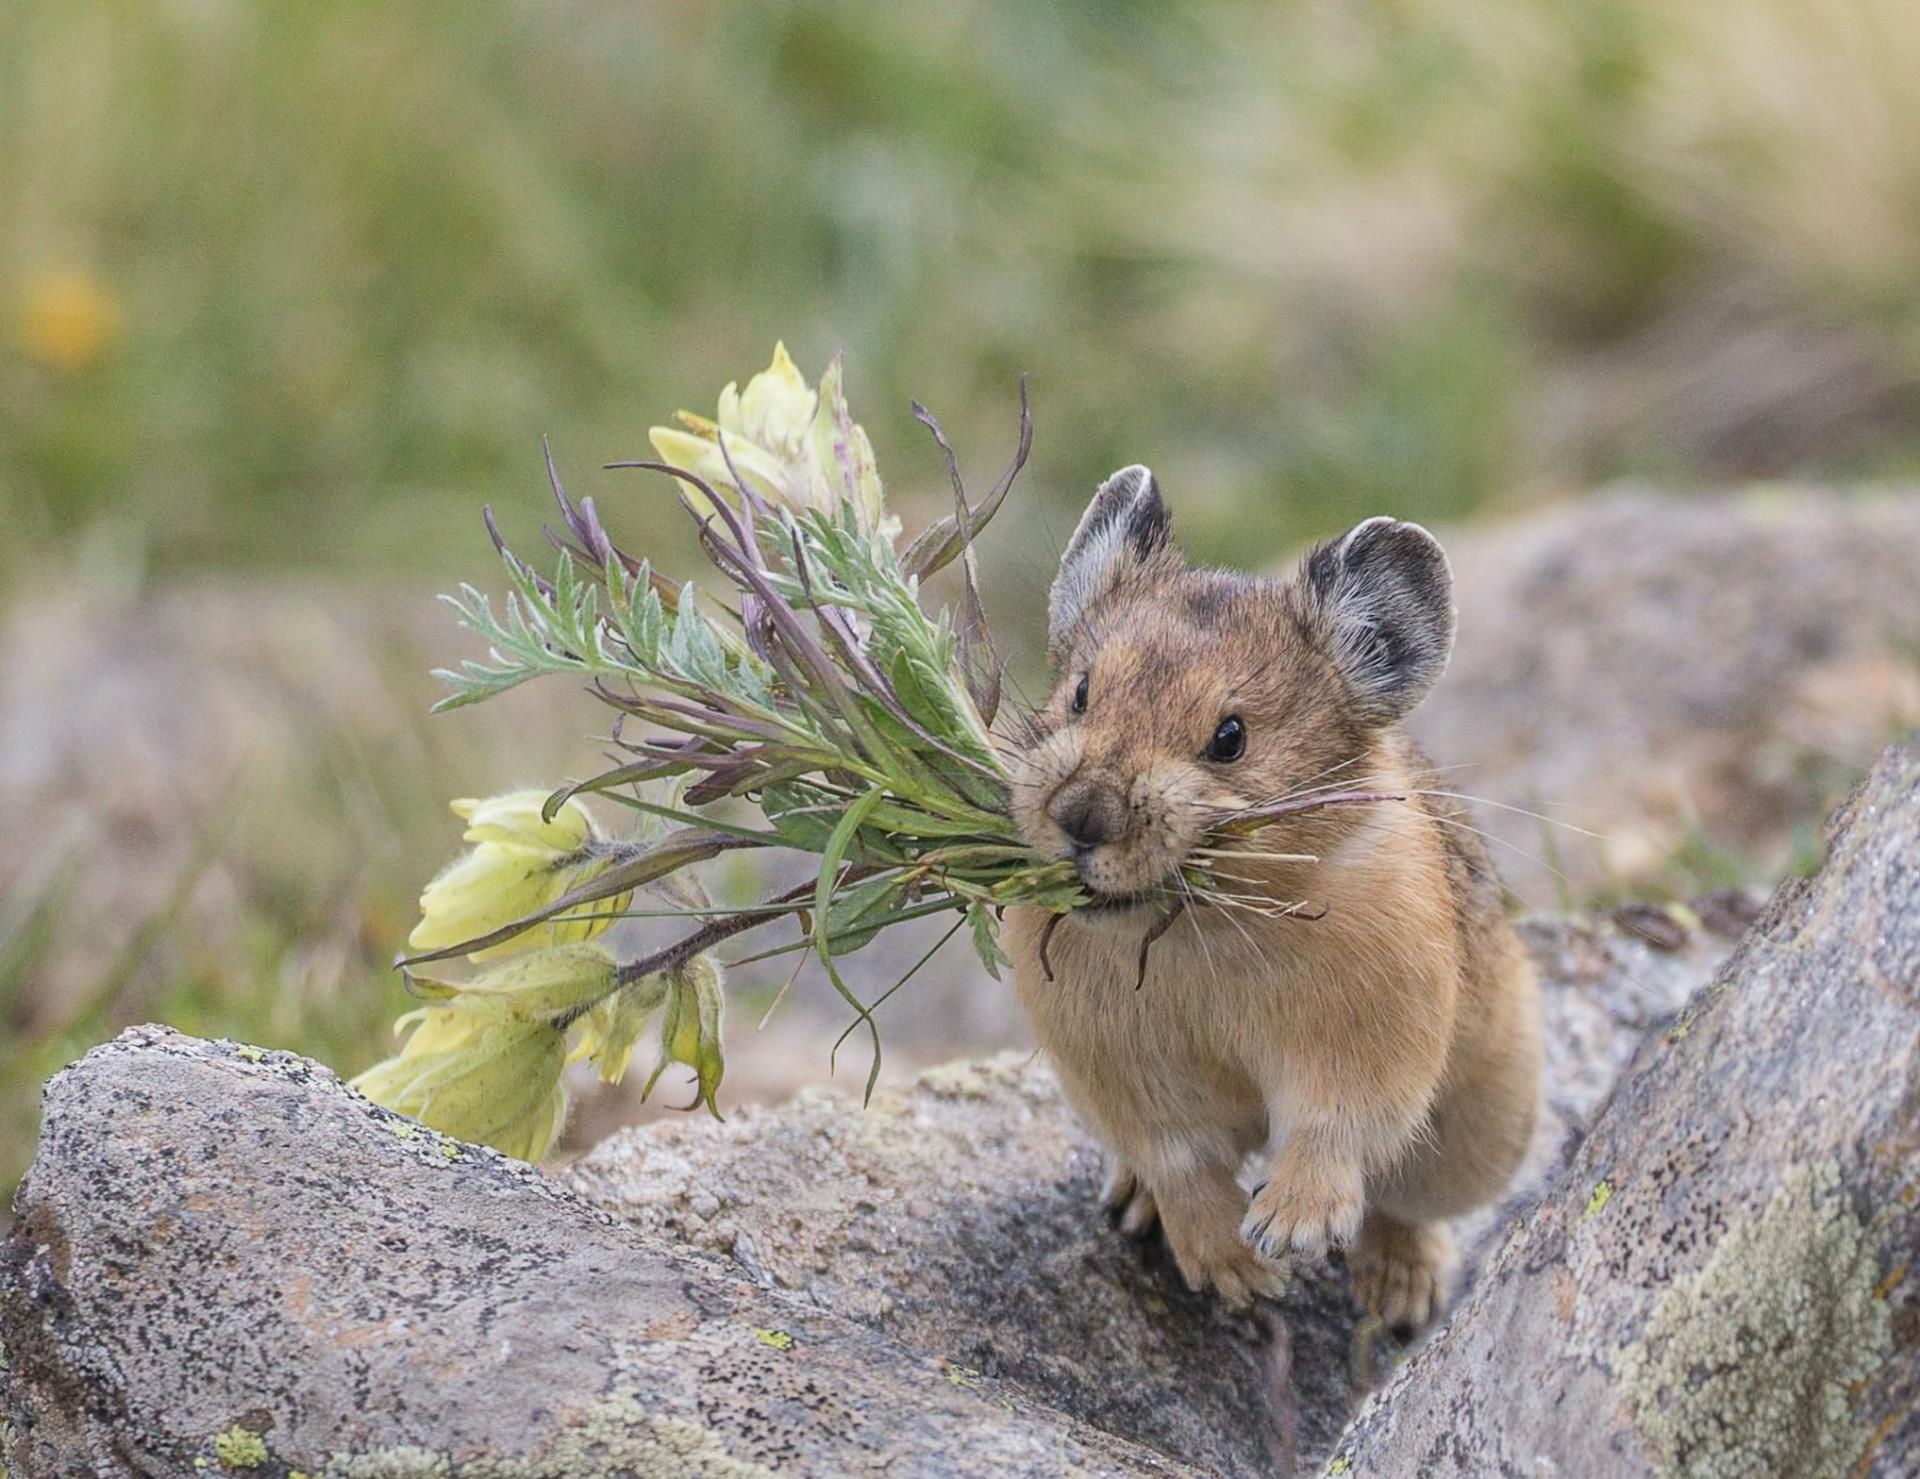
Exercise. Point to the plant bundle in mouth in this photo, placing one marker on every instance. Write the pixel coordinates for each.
(815, 688)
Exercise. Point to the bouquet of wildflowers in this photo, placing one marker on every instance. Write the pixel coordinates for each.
(808, 682)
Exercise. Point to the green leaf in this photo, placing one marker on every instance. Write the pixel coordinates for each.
(804, 816)
(986, 939)
(862, 911)
(693, 819)
(830, 860)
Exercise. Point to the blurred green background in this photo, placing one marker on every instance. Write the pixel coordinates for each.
(289, 290)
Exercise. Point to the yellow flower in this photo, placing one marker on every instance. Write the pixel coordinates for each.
(690, 1029)
(775, 411)
(519, 864)
(492, 1081)
(66, 319)
(537, 986)
(796, 447)
(515, 817)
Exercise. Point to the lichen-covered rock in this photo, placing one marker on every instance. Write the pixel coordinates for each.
(223, 1259)
(960, 1217)
(1722, 1283)
(222, 1253)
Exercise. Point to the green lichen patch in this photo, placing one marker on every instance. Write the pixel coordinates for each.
(1748, 1365)
(617, 1437)
(779, 1340)
(240, 1448)
(1694, 1010)
(1602, 1194)
(404, 1462)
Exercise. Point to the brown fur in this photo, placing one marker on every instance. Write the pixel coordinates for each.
(1384, 1058)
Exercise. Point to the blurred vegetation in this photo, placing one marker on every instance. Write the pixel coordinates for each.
(293, 288)
(1315, 260)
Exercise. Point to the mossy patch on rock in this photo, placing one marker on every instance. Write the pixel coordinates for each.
(1746, 1366)
(240, 1448)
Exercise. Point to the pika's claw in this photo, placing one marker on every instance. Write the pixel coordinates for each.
(1127, 1199)
(1303, 1209)
(1401, 1270)
(1233, 1271)
(1210, 1256)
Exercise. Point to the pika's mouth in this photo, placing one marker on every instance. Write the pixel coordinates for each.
(1106, 907)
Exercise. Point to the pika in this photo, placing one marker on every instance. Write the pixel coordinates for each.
(1340, 990)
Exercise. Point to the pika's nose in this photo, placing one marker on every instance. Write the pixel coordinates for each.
(1089, 812)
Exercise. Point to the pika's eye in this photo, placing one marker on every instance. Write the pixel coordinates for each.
(1229, 741)
(1080, 696)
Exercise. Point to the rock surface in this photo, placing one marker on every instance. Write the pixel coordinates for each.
(218, 1244)
(223, 1255)
(1678, 675)
(1724, 1281)
(960, 1217)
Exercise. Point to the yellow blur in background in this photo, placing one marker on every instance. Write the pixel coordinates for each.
(291, 290)
(67, 320)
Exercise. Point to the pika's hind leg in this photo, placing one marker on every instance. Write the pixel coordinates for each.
(1126, 1196)
(1401, 1270)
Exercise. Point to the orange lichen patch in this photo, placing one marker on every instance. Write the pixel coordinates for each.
(674, 1327)
(1882, 1430)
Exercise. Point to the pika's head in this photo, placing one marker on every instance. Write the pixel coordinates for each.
(1183, 697)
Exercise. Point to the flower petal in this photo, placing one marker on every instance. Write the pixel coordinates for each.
(515, 816)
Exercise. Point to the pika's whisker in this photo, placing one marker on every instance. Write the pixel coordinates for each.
(1307, 788)
(1227, 913)
(1502, 842)
(1263, 857)
(1517, 810)
(1214, 873)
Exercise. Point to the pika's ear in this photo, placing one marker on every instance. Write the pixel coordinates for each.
(1383, 595)
(1124, 528)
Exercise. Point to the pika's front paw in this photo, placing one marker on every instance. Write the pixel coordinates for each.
(1305, 1206)
(1218, 1260)
(1132, 1206)
(1401, 1270)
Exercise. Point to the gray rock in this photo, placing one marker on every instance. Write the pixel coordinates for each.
(220, 1241)
(1681, 676)
(224, 1257)
(1722, 1282)
(959, 1216)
